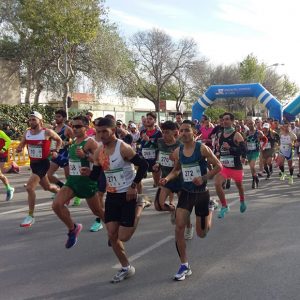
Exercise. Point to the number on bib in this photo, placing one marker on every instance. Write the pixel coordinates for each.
(74, 167)
(251, 146)
(115, 178)
(227, 161)
(189, 172)
(164, 159)
(35, 151)
(148, 153)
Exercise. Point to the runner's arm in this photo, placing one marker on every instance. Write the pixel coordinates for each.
(211, 159)
(22, 143)
(6, 139)
(241, 148)
(55, 137)
(177, 167)
(263, 138)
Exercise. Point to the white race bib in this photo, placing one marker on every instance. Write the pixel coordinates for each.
(164, 159)
(115, 178)
(35, 151)
(148, 153)
(268, 146)
(251, 146)
(285, 147)
(74, 167)
(227, 161)
(189, 172)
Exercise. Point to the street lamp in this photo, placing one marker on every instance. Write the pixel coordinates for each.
(275, 65)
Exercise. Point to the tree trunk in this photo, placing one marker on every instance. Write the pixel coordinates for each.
(38, 92)
(66, 90)
(28, 86)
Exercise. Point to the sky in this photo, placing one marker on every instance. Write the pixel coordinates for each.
(226, 30)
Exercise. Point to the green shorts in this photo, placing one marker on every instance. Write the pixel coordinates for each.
(252, 155)
(82, 186)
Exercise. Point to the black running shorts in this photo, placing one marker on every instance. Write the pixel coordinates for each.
(40, 167)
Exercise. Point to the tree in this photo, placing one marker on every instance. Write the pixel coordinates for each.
(156, 59)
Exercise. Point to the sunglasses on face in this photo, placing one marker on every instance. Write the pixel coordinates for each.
(77, 126)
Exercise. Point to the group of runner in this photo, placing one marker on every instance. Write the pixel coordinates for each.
(100, 158)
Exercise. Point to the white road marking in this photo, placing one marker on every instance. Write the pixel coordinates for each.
(25, 208)
(147, 250)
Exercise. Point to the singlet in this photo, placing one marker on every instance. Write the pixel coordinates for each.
(286, 143)
(37, 144)
(164, 151)
(118, 172)
(75, 162)
(149, 148)
(191, 167)
(205, 134)
(5, 142)
(272, 139)
(61, 134)
(229, 160)
(252, 142)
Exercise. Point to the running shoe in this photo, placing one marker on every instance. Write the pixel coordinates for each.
(243, 206)
(223, 211)
(173, 216)
(73, 236)
(268, 176)
(96, 226)
(253, 183)
(260, 174)
(182, 273)
(123, 273)
(213, 205)
(143, 200)
(256, 181)
(291, 180)
(27, 222)
(189, 233)
(10, 194)
(282, 176)
(76, 202)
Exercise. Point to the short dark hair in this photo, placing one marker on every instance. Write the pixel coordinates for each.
(109, 117)
(107, 122)
(229, 114)
(221, 116)
(168, 125)
(152, 114)
(83, 119)
(190, 123)
(61, 112)
(179, 114)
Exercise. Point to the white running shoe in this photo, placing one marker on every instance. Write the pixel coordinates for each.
(183, 272)
(189, 233)
(27, 222)
(123, 273)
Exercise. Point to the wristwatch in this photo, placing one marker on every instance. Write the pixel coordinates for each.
(133, 185)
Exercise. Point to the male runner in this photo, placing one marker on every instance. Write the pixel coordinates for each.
(38, 142)
(122, 212)
(5, 142)
(77, 184)
(253, 138)
(286, 151)
(191, 160)
(231, 148)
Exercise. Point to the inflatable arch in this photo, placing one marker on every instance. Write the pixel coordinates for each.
(234, 91)
(292, 109)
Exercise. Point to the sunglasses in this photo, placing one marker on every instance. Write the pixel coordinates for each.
(77, 126)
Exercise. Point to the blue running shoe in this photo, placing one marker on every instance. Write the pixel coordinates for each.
(182, 272)
(10, 194)
(73, 236)
(96, 226)
(243, 207)
(223, 211)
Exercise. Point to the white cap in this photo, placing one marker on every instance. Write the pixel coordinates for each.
(266, 125)
(37, 115)
(132, 125)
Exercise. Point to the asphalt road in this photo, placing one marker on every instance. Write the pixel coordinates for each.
(254, 255)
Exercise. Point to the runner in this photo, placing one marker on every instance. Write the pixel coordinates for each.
(287, 140)
(269, 151)
(253, 138)
(191, 160)
(122, 212)
(231, 148)
(38, 142)
(5, 142)
(166, 146)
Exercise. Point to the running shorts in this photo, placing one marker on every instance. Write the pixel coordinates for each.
(118, 209)
(40, 167)
(82, 186)
(268, 153)
(200, 200)
(236, 175)
(253, 155)
(62, 160)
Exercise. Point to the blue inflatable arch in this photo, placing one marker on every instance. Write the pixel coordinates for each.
(236, 91)
(292, 109)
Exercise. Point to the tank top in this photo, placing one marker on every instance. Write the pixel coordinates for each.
(118, 172)
(253, 142)
(75, 162)
(191, 167)
(148, 149)
(286, 144)
(61, 134)
(164, 151)
(229, 160)
(37, 144)
(271, 140)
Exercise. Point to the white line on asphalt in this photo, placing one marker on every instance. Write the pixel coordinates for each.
(25, 208)
(147, 250)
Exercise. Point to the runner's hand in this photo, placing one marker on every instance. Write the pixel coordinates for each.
(85, 171)
(197, 181)
(163, 181)
(155, 168)
(131, 194)
(54, 154)
(80, 153)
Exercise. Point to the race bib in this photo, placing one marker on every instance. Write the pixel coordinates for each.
(148, 153)
(251, 146)
(74, 167)
(227, 161)
(164, 159)
(285, 147)
(268, 145)
(115, 178)
(35, 151)
(189, 172)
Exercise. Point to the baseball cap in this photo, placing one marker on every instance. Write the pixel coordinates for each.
(36, 114)
(266, 125)
(132, 125)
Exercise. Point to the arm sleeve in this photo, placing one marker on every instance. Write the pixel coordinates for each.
(6, 139)
(95, 174)
(142, 165)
